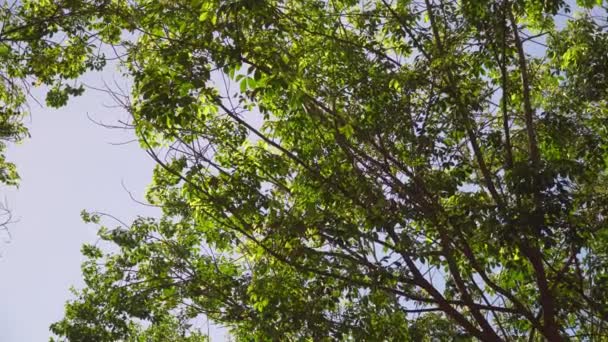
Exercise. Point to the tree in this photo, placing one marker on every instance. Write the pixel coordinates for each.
(386, 170)
(168, 328)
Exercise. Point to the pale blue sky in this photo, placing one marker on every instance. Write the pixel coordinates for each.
(68, 164)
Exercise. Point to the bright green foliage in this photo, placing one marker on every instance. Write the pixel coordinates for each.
(169, 330)
(422, 170)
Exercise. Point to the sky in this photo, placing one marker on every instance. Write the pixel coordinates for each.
(69, 164)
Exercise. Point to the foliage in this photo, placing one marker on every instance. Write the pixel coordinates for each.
(384, 170)
(169, 329)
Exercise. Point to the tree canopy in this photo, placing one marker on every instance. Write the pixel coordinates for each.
(356, 170)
